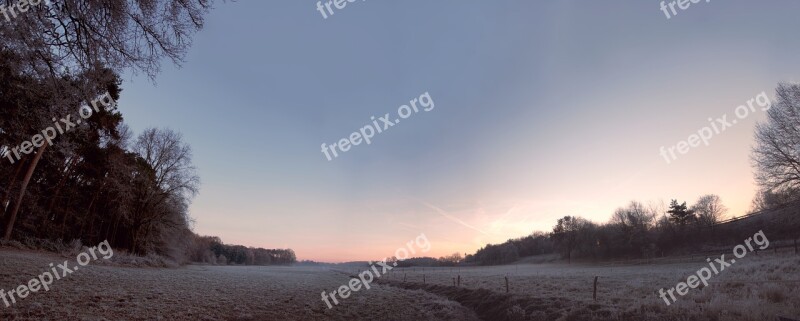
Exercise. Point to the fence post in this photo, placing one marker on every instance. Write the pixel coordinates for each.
(594, 294)
(459, 280)
(423, 279)
(404, 278)
(506, 284)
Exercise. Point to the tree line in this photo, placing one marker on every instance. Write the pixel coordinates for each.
(98, 181)
(211, 250)
(640, 231)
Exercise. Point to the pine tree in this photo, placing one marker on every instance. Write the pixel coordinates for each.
(679, 213)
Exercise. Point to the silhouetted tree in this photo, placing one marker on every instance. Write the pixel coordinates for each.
(709, 209)
(776, 155)
(567, 233)
(679, 213)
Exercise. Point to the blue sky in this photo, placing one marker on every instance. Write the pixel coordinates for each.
(543, 109)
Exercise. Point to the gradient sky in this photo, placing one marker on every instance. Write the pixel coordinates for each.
(543, 109)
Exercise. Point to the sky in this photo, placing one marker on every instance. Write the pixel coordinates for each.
(541, 109)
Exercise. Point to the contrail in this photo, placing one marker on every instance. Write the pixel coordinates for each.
(452, 218)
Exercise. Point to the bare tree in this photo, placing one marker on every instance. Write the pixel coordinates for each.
(709, 209)
(67, 36)
(766, 199)
(170, 158)
(776, 155)
(636, 215)
(632, 224)
(170, 181)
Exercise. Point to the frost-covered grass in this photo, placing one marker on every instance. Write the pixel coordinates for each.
(74, 247)
(207, 293)
(754, 288)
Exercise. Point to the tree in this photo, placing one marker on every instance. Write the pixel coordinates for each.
(632, 224)
(776, 155)
(168, 183)
(31, 121)
(679, 214)
(451, 260)
(70, 37)
(766, 199)
(709, 209)
(567, 233)
(70, 50)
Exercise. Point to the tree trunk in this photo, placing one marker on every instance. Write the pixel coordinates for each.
(7, 196)
(57, 193)
(90, 210)
(113, 239)
(65, 214)
(22, 189)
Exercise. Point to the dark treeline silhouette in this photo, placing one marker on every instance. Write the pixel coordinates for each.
(96, 181)
(450, 260)
(634, 232)
(638, 231)
(210, 249)
(536, 244)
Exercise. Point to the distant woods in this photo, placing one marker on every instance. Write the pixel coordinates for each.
(639, 231)
(209, 249)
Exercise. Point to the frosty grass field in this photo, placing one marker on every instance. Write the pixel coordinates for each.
(759, 287)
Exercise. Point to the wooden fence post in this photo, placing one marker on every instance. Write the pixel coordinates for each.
(506, 284)
(459, 280)
(404, 278)
(423, 279)
(594, 294)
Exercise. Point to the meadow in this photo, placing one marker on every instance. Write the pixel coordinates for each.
(759, 287)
